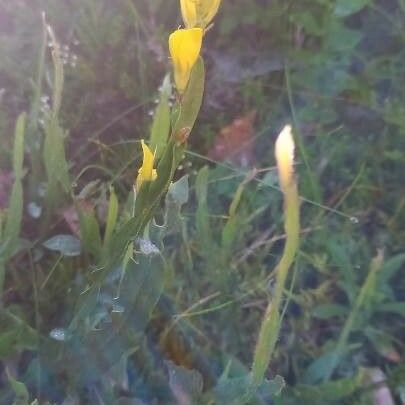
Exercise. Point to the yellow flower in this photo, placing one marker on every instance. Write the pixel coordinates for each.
(184, 46)
(146, 172)
(198, 13)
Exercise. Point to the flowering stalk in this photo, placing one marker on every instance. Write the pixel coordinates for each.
(269, 331)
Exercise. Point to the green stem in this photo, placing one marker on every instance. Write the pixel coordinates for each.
(2, 277)
(270, 327)
(367, 286)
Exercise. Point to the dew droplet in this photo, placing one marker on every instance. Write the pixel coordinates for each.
(354, 220)
(58, 334)
(34, 210)
(41, 191)
(147, 247)
(117, 308)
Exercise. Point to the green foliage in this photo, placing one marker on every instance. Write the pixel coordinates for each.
(20, 391)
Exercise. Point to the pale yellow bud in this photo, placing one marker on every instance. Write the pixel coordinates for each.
(284, 151)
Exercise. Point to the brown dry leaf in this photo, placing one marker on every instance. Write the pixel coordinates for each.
(71, 216)
(390, 353)
(234, 143)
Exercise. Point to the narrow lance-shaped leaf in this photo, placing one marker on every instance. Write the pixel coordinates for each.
(15, 210)
(112, 216)
(161, 121)
(54, 149)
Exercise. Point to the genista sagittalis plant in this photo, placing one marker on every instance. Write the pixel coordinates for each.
(124, 283)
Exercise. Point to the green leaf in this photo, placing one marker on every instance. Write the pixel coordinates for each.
(390, 267)
(15, 210)
(112, 216)
(394, 307)
(14, 219)
(55, 159)
(178, 191)
(89, 232)
(18, 151)
(16, 335)
(58, 77)
(67, 245)
(320, 367)
(20, 391)
(236, 391)
(307, 20)
(345, 8)
(100, 335)
(54, 149)
(202, 214)
(331, 390)
(341, 39)
(176, 197)
(141, 289)
(326, 311)
(161, 122)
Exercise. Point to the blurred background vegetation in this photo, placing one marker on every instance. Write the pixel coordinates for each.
(332, 68)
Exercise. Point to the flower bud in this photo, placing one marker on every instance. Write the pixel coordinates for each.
(284, 151)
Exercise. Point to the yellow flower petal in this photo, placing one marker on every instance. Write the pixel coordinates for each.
(207, 11)
(185, 47)
(146, 172)
(198, 13)
(189, 12)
